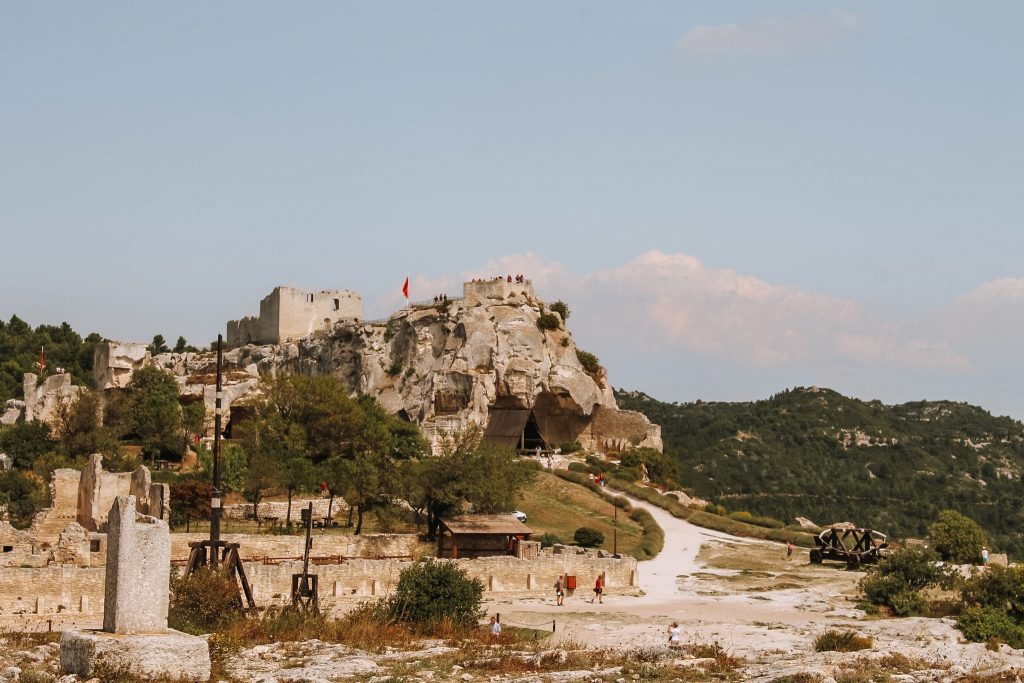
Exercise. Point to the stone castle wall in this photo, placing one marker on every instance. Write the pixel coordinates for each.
(287, 313)
(496, 291)
(269, 545)
(53, 589)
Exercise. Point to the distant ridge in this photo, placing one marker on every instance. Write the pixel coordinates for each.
(813, 452)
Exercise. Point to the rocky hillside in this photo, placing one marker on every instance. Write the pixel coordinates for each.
(439, 365)
(815, 453)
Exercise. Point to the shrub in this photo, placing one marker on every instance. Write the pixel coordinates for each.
(578, 467)
(984, 624)
(561, 308)
(757, 520)
(957, 538)
(549, 539)
(841, 641)
(898, 578)
(994, 606)
(429, 593)
(595, 461)
(203, 602)
(570, 446)
(589, 362)
(549, 321)
(587, 537)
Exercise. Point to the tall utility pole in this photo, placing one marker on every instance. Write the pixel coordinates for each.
(615, 531)
(216, 508)
(215, 552)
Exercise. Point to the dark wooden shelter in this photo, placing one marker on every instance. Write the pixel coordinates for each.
(515, 428)
(479, 535)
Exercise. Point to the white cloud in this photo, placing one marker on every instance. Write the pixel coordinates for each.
(672, 303)
(768, 36)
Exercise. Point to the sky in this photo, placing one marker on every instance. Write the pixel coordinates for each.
(733, 198)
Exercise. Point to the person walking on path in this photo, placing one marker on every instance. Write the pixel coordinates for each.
(559, 592)
(674, 635)
(598, 589)
(789, 550)
(984, 556)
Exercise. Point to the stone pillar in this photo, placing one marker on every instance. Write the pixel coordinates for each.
(83, 605)
(138, 571)
(531, 582)
(40, 605)
(375, 587)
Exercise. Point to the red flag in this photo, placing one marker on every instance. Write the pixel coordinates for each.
(405, 288)
(42, 360)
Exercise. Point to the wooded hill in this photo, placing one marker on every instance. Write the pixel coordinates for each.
(818, 454)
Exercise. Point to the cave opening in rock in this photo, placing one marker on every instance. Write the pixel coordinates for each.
(516, 428)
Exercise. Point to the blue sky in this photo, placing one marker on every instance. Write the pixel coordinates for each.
(733, 197)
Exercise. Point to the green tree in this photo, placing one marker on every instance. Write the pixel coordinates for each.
(80, 432)
(26, 441)
(263, 471)
(193, 417)
(468, 471)
(23, 495)
(155, 414)
(297, 475)
(182, 346)
(957, 538)
(158, 345)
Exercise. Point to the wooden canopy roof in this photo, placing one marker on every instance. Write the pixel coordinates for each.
(486, 524)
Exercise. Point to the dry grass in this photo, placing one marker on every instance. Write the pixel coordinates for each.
(560, 507)
(22, 640)
(842, 641)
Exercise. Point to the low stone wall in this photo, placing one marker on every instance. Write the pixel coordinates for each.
(49, 590)
(271, 545)
(77, 590)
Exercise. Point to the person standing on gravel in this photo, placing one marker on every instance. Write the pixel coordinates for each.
(598, 589)
(559, 592)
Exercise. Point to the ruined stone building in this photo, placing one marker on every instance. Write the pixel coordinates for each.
(73, 529)
(287, 314)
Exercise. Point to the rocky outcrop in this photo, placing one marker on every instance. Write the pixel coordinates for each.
(41, 398)
(441, 366)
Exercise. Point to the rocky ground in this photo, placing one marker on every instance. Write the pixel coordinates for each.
(747, 614)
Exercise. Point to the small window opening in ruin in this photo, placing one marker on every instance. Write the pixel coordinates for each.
(309, 298)
(337, 304)
(8, 548)
(94, 546)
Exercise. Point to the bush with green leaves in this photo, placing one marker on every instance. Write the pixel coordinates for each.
(899, 578)
(23, 495)
(430, 593)
(589, 361)
(549, 321)
(203, 602)
(990, 624)
(957, 538)
(561, 308)
(993, 603)
(548, 539)
(587, 537)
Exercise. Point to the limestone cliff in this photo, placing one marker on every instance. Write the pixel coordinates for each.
(440, 365)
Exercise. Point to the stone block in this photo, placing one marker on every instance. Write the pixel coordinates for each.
(138, 571)
(165, 657)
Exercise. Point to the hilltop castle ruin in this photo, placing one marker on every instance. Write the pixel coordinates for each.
(483, 358)
(288, 313)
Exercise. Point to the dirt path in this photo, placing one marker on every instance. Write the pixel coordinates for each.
(744, 595)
